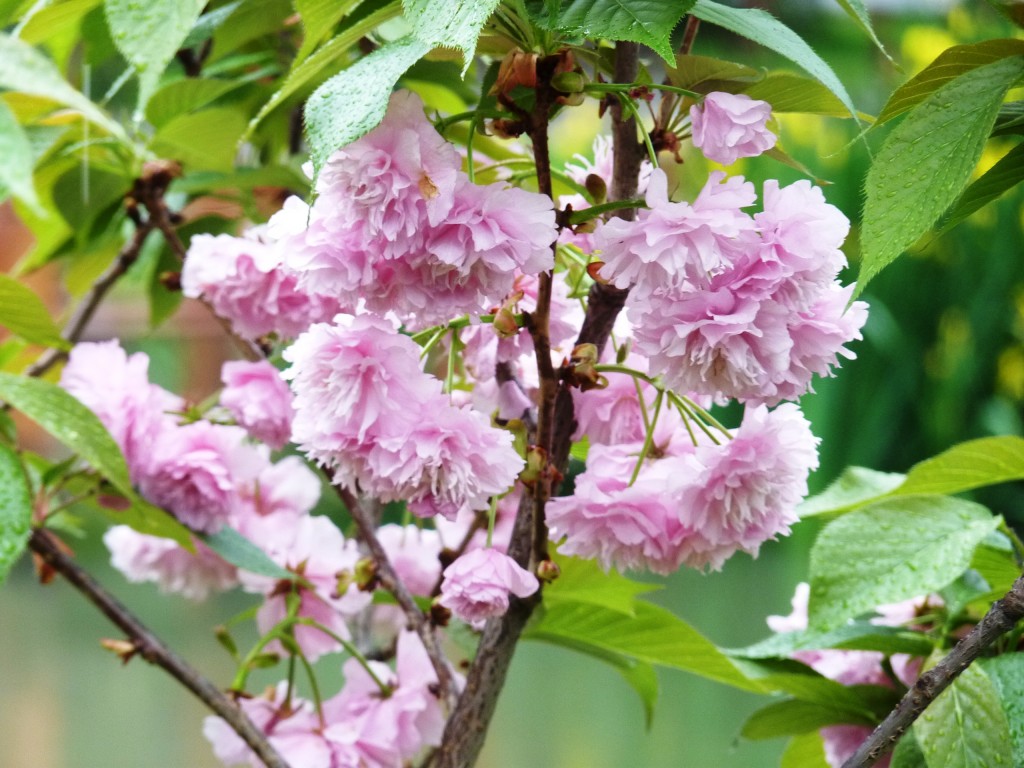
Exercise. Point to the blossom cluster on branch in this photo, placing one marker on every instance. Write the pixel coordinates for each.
(402, 297)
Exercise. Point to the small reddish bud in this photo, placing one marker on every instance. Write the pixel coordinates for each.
(597, 188)
(593, 268)
(548, 571)
(439, 615)
(569, 82)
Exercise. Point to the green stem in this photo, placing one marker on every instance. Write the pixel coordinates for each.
(1018, 545)
(586, 214)
(707, 416)
(492, 515)
(686, 412)
(629, 106)
(626, 88)
(449, 381)
(385, 689)
(648, 438)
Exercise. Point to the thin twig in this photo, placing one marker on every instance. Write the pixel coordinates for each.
(1000, 619)
(152, 649)
(390, 580)
(84, 312)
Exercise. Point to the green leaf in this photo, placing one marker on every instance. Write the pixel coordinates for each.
(653, 635)
(308, 69)
(148, 34)
(791, 717)
(208, 23)
(219, 127)
(705, 74)
(996, 565)
(15, 509)
(1007, 675)
(927, 160)
(766, 30)
(949, 65)
(788, 92)
(908, 753)
(805, 751)
(969, 465)
(16, 160)
(1011, 9)
(353, 102)
(854, 488)
(583, 581)
(56, 20)
(639, 675)
(965, 726)
(79, 429)
(242, 553)
(23, 313)
(856, 636)
(184, 96)
(1010, 119)
(892, 550)
(25, 70)
(448, 24)
(318, 18)
(649, 22)
(1006, 173)
(801, 682)
(859, 13)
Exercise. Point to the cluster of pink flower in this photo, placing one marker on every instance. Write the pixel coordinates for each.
(856, 667)
(722, 305)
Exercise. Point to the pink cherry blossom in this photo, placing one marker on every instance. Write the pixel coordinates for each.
(476, 586)
(115, 386)
(675, 242)
(200, 473)
(245, 281)
(629, 527)
(173, 568)
(370, 728)
(745, 492)
(291, 726)
(728, 126)
(366, 410)
(314, 548)
(259, 399)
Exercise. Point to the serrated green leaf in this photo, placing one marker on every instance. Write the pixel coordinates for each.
(23, 69)
(148, 34)
(969, 465)
(704, 74)
(1006, 173)
(649, 22)
(1007, 675)
(79, 429)
(449, 23)
(653, 635)
(965, 727)
(354, 101)
(764, 29)
(583, 581)
(927, 160)
(805, 751)
(242, 553)
(859, 13)
(891, 550)
(857, 636)
(949, 65)
(202, 140)
(791, 717)
(16, 160)
(55, 20)
(306, 71)
(15, 510)
(23, 313)
(318, 18)
(788, 92)
(854, 488)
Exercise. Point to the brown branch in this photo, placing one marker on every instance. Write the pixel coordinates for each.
(1000, 619)
(389, 579)
(152, 649)
(467, 726)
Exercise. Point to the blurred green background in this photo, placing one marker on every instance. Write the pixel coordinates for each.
(942, 361)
